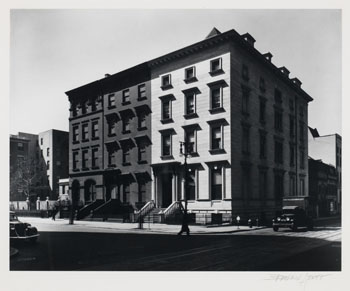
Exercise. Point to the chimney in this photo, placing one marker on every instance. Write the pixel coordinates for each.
(297, 82)
(268, 56)
(248, 38)
(284, 71)
(107, 75)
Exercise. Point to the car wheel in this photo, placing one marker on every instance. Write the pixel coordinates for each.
(275, 228)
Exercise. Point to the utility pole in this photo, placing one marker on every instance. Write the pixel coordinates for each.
(185, 153)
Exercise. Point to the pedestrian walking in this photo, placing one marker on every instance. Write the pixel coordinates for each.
(184, 226)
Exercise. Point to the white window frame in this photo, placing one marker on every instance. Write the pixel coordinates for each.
(221, 97)
(222, 136)
(211, 65)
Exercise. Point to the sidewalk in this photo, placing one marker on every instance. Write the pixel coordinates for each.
(47, 224)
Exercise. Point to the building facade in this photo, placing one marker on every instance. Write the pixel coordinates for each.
(328, 148)
(110, 155)
(244, 121)
(323, 183)
(54, 151)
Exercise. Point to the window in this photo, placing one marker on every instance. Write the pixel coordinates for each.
(190, 74)
(111, 127)
(291, 126)
(126, 193)
(291, 155)
(85, 132)
(278, 152)
(142, 92)
(93, 105)
(190, 103)
(48, 152)
(262, 85)
(166, 109)
(302, 186)
(111, 157)
(74, 110)
(216, 97)
(41, 141)
(126, 96)
(75, 160)
(48, 165)
(20, 146)
(190, 138)
(278, 120)
(94, 130)
(279, 189)
(216, 183)
(302, 159)
(142, 152)
(262, 145)
(126, 124)
(278, 96)
(245, 72)
(246, 181)
(245, 141)
(85, 158)
(111, 100)
(166, 144)
(245, 100)
(262, 110)
(216, 137)
(301, 132)
(262, 183)
(84, 108)
(141, 122)
(166, 81)
(126, 156)
(191, 185)
(75, 134)
(94, 158)
(142, 192)
(292, 185)
(216, 66)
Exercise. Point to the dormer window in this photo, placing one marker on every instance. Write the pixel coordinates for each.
(216, 66)
(166, 82)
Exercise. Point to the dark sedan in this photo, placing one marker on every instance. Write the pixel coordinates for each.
(22, 231)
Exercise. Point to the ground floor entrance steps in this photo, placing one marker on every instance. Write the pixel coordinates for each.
(154, 216)
(145, 210)
(174, 213)
(86, 210)
(112, 209)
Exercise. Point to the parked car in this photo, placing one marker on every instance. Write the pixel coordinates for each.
(292, 217)
(22, 230)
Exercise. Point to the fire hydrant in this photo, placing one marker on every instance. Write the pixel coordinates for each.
(250, 223)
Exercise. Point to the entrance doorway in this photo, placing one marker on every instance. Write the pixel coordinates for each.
(167, 192)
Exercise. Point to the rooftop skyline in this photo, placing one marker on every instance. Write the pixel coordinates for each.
(54, 51)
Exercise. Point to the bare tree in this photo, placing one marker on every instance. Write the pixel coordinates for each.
(24, 177)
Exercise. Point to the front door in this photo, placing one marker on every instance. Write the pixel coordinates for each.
(167, 192)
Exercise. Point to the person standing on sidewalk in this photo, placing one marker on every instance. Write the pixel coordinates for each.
(54, 212)
(184, 226)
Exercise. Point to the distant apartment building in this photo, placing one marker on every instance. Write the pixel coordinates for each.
(328, 148)
(244, 120)
(54, 152)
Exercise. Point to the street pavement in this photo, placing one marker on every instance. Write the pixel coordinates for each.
(112, 246)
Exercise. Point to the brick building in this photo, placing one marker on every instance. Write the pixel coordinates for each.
(110, 155)
(244, 118)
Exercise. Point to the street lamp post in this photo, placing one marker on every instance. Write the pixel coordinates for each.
(184, 152)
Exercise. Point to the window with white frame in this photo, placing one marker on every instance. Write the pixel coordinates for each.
(216, 97)
(142, 92)
(190, 74)
(166, 81)
(166, 109)
(217, 137)
(190, 103)
(190, 138)
(166, 144)
(85, 132)
(126, 96)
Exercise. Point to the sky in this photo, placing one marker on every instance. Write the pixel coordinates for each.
(54, 51)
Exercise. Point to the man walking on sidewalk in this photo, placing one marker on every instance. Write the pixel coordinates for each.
(184, 226)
